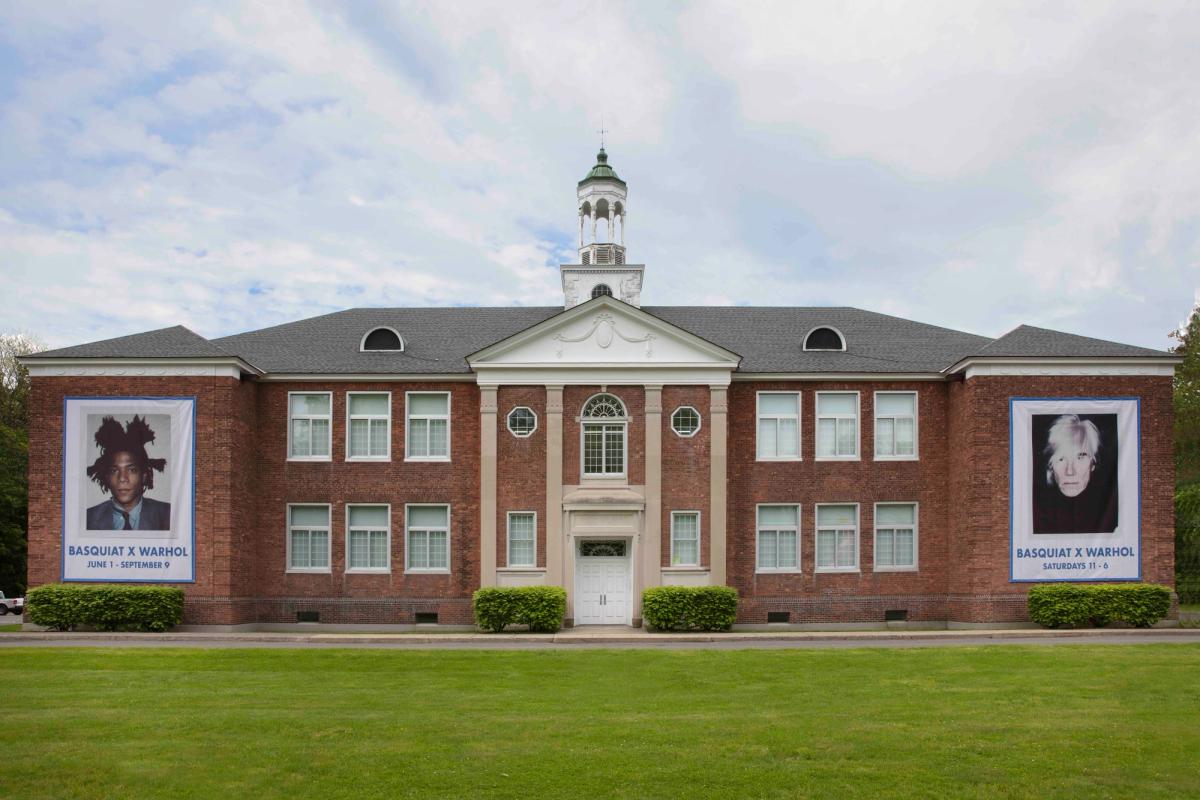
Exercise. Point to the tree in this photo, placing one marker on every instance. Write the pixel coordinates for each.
(14, 459)
(1187, 460)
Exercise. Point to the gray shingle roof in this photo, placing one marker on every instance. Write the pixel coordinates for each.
(1026, 340)
(174, 342)
(438, 340)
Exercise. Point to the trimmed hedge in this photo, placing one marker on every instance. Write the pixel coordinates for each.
(542, 608)
(1073, 605)
(690, 608)
(64, 607)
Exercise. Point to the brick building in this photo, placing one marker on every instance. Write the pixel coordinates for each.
(834, 465)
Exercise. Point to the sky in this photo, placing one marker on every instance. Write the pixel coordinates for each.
(229, 166)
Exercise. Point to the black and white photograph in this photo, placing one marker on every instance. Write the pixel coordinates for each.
(1076, 490)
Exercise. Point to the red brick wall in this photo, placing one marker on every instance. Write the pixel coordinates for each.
(224, 474)
(339, 482)
(852, 597)
(521, 468)
(634, 398)
(685, 467)
(979, 484)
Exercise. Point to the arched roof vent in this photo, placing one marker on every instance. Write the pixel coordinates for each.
(382, 340)
(824, 338)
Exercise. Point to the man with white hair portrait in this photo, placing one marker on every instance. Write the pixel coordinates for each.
(1075, 477)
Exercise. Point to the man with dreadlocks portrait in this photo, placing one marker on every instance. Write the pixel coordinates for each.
(125, 471)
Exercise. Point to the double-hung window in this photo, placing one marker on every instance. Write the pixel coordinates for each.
(778, 426)
(369, 425)
(427, 544)
(367, 536)
(837, 538)
(837, 425)
(309, 431)
(603, 425)
(685, 538)
(778, 538)
(522, 539)
(895, 425)
(428, 426)
(308, 538)
(895, 536)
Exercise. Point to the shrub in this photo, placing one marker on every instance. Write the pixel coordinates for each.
(64, 607)
(1071, 605)
(542, 608)
(695, 608)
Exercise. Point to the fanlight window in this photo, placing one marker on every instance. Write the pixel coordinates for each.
(382, 339)
(603, 424)
(602, 548)
(824, 339)
(601, 290)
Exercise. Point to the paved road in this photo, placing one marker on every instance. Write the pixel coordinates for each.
(1177, 637)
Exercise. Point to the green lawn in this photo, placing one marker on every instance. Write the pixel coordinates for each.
(1067, 721)
(11, 627)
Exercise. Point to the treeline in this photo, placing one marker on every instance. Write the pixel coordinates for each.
(14, 459)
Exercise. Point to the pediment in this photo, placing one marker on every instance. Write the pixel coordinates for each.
(604, 331)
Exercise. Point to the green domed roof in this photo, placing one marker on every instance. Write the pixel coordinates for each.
(602, 171)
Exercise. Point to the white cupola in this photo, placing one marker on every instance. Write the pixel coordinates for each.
(602, 206)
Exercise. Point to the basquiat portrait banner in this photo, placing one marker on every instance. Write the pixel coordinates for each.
(1074, 494)
(129, 489)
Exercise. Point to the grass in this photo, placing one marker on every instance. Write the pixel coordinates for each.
(1065, 721)
(10, 627)
(1192, 607)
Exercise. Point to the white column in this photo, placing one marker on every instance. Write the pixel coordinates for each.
(652, 530)
(718, 409)
(487, 486)
(554, 486)
(581, 228)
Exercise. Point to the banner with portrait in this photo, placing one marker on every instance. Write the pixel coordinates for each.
(129, 489)
(1075, 511)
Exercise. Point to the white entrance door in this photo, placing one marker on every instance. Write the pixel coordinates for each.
(601, 584)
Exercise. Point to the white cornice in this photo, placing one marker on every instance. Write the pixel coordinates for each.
(747, 377)
(603, 374)
(138, 367)
(454, 377)
(1005, 365)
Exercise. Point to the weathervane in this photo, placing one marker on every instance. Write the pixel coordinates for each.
(602, 131)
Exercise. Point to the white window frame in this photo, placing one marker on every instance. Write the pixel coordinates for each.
(508, 541)
(857, 538)
(384, 570)
(584, 422)
(326, 570)
(674, 515)
(916, 418)
(916, 529)
(759, 416)
(508, 422)
(350, 418)
(758, 540)
(408, 423)
(699, 422)
(329, 419)
(818, 416)
(409, 570)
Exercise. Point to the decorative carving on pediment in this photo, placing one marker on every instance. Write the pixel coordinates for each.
(604, 328)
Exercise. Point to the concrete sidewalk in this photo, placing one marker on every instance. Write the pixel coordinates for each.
(607, 637)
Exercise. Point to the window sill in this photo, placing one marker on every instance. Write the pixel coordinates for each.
(779, 458)
(426, 572)
(897, 458)
(310, 459)
(896, 569)
(365, 571)
(837, 570)
(308, 571)
(445, 459)
(837, 458)
(518, 568)
(685, 568)
(369, 459)
(796, 571)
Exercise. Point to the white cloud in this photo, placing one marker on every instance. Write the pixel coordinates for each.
(240, 165)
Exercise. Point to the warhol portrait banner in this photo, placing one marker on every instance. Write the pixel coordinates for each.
(1074, 494)
(129, 489)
